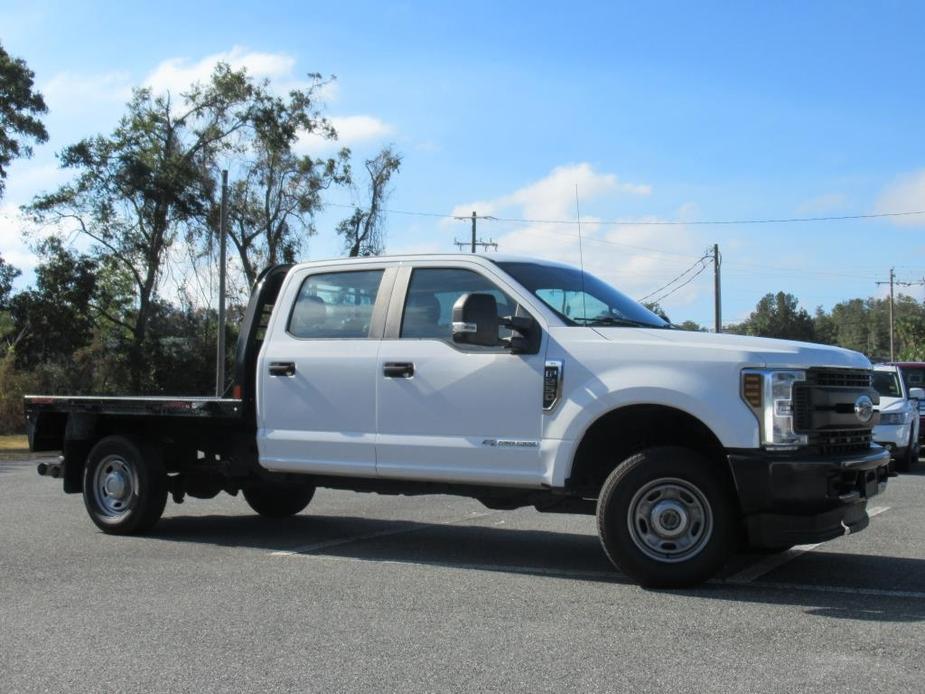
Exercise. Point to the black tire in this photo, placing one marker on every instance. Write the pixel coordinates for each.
(908, 459)
(124, 486)
(686, 496)
(278, 499)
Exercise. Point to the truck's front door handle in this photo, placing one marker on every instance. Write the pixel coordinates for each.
(398, 369)
(282, 368)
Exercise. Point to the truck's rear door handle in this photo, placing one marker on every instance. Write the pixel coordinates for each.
(398, 369)
(282, 368)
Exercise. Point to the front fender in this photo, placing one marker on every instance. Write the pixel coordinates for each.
(710, 395)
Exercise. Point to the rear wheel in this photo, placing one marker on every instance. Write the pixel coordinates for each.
(278, 499)
(665, 518)
(124, 486)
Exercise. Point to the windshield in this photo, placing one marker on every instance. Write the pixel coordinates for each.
(581, 300)
(887, 384)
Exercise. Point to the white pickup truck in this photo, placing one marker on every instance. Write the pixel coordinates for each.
(513, 381)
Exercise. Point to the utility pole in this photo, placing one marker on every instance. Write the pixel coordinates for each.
(893, 283)
(892, 280)
(717, 291)
(475, 242)
(220, 342)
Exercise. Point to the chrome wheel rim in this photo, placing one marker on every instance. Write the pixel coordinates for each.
(670, 520)
(115, 486)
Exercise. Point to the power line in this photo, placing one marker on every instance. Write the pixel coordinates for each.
(683, 284)
(649, 222)
(671, 282)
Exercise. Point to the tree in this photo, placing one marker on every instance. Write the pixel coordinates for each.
(8, 273)
(56, 317)
(273, 203)
(909, 329)
(362, 231)
(693, 326)
(657, 309)
(20, 105)
(136, 188)
(778, 315)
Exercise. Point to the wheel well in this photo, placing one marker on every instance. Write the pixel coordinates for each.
(617, 435)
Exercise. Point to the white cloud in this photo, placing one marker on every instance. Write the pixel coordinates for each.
(70, 91)
(176, 75)
(905, 194)
(359, 128)
(13, 246)
(553, 197)
(29, 177)
(351, 130)
(637, 258)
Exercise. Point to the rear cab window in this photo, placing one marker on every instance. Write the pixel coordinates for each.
(335, 305)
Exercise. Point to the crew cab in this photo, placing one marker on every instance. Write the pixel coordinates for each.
(517, 382)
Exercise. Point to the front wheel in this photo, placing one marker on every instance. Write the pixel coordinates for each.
(278, 499)
(124, 486)
(666, 519)
(905, 462)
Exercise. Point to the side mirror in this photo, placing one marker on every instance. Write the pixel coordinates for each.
(917, 394)
(475, 320)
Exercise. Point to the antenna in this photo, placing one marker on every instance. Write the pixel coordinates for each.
(581, 257)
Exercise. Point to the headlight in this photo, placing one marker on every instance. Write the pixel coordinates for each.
(769, 393)
(895, 418)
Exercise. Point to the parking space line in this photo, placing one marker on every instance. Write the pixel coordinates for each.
(767, 565)
(305, 549)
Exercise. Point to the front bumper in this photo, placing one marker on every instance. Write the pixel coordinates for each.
(896, 435)
(793, 498)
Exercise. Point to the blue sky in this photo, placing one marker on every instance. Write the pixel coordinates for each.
(656, 111)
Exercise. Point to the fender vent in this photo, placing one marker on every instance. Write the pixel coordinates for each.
(552, 384)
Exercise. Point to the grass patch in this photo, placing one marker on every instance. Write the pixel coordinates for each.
(16, 442)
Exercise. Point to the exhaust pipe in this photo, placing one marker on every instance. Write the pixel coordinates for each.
(53, 470)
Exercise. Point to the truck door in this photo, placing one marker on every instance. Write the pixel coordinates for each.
(449, 412)
(316, 375)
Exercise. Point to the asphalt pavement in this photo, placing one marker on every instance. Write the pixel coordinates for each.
(372, 593)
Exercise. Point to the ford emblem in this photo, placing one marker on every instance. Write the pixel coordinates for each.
(864, 408)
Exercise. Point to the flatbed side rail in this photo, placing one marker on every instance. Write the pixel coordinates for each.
(167, 406)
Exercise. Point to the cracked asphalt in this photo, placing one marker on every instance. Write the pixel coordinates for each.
(368, 593)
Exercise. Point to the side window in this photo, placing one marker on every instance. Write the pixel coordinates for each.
(335, 305)
(433, 291)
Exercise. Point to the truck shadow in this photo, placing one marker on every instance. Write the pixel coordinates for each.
(832, 585)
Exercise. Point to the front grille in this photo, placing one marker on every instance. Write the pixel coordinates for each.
(840, 440)
(838, 378)
(821, 404)
(802, 408)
